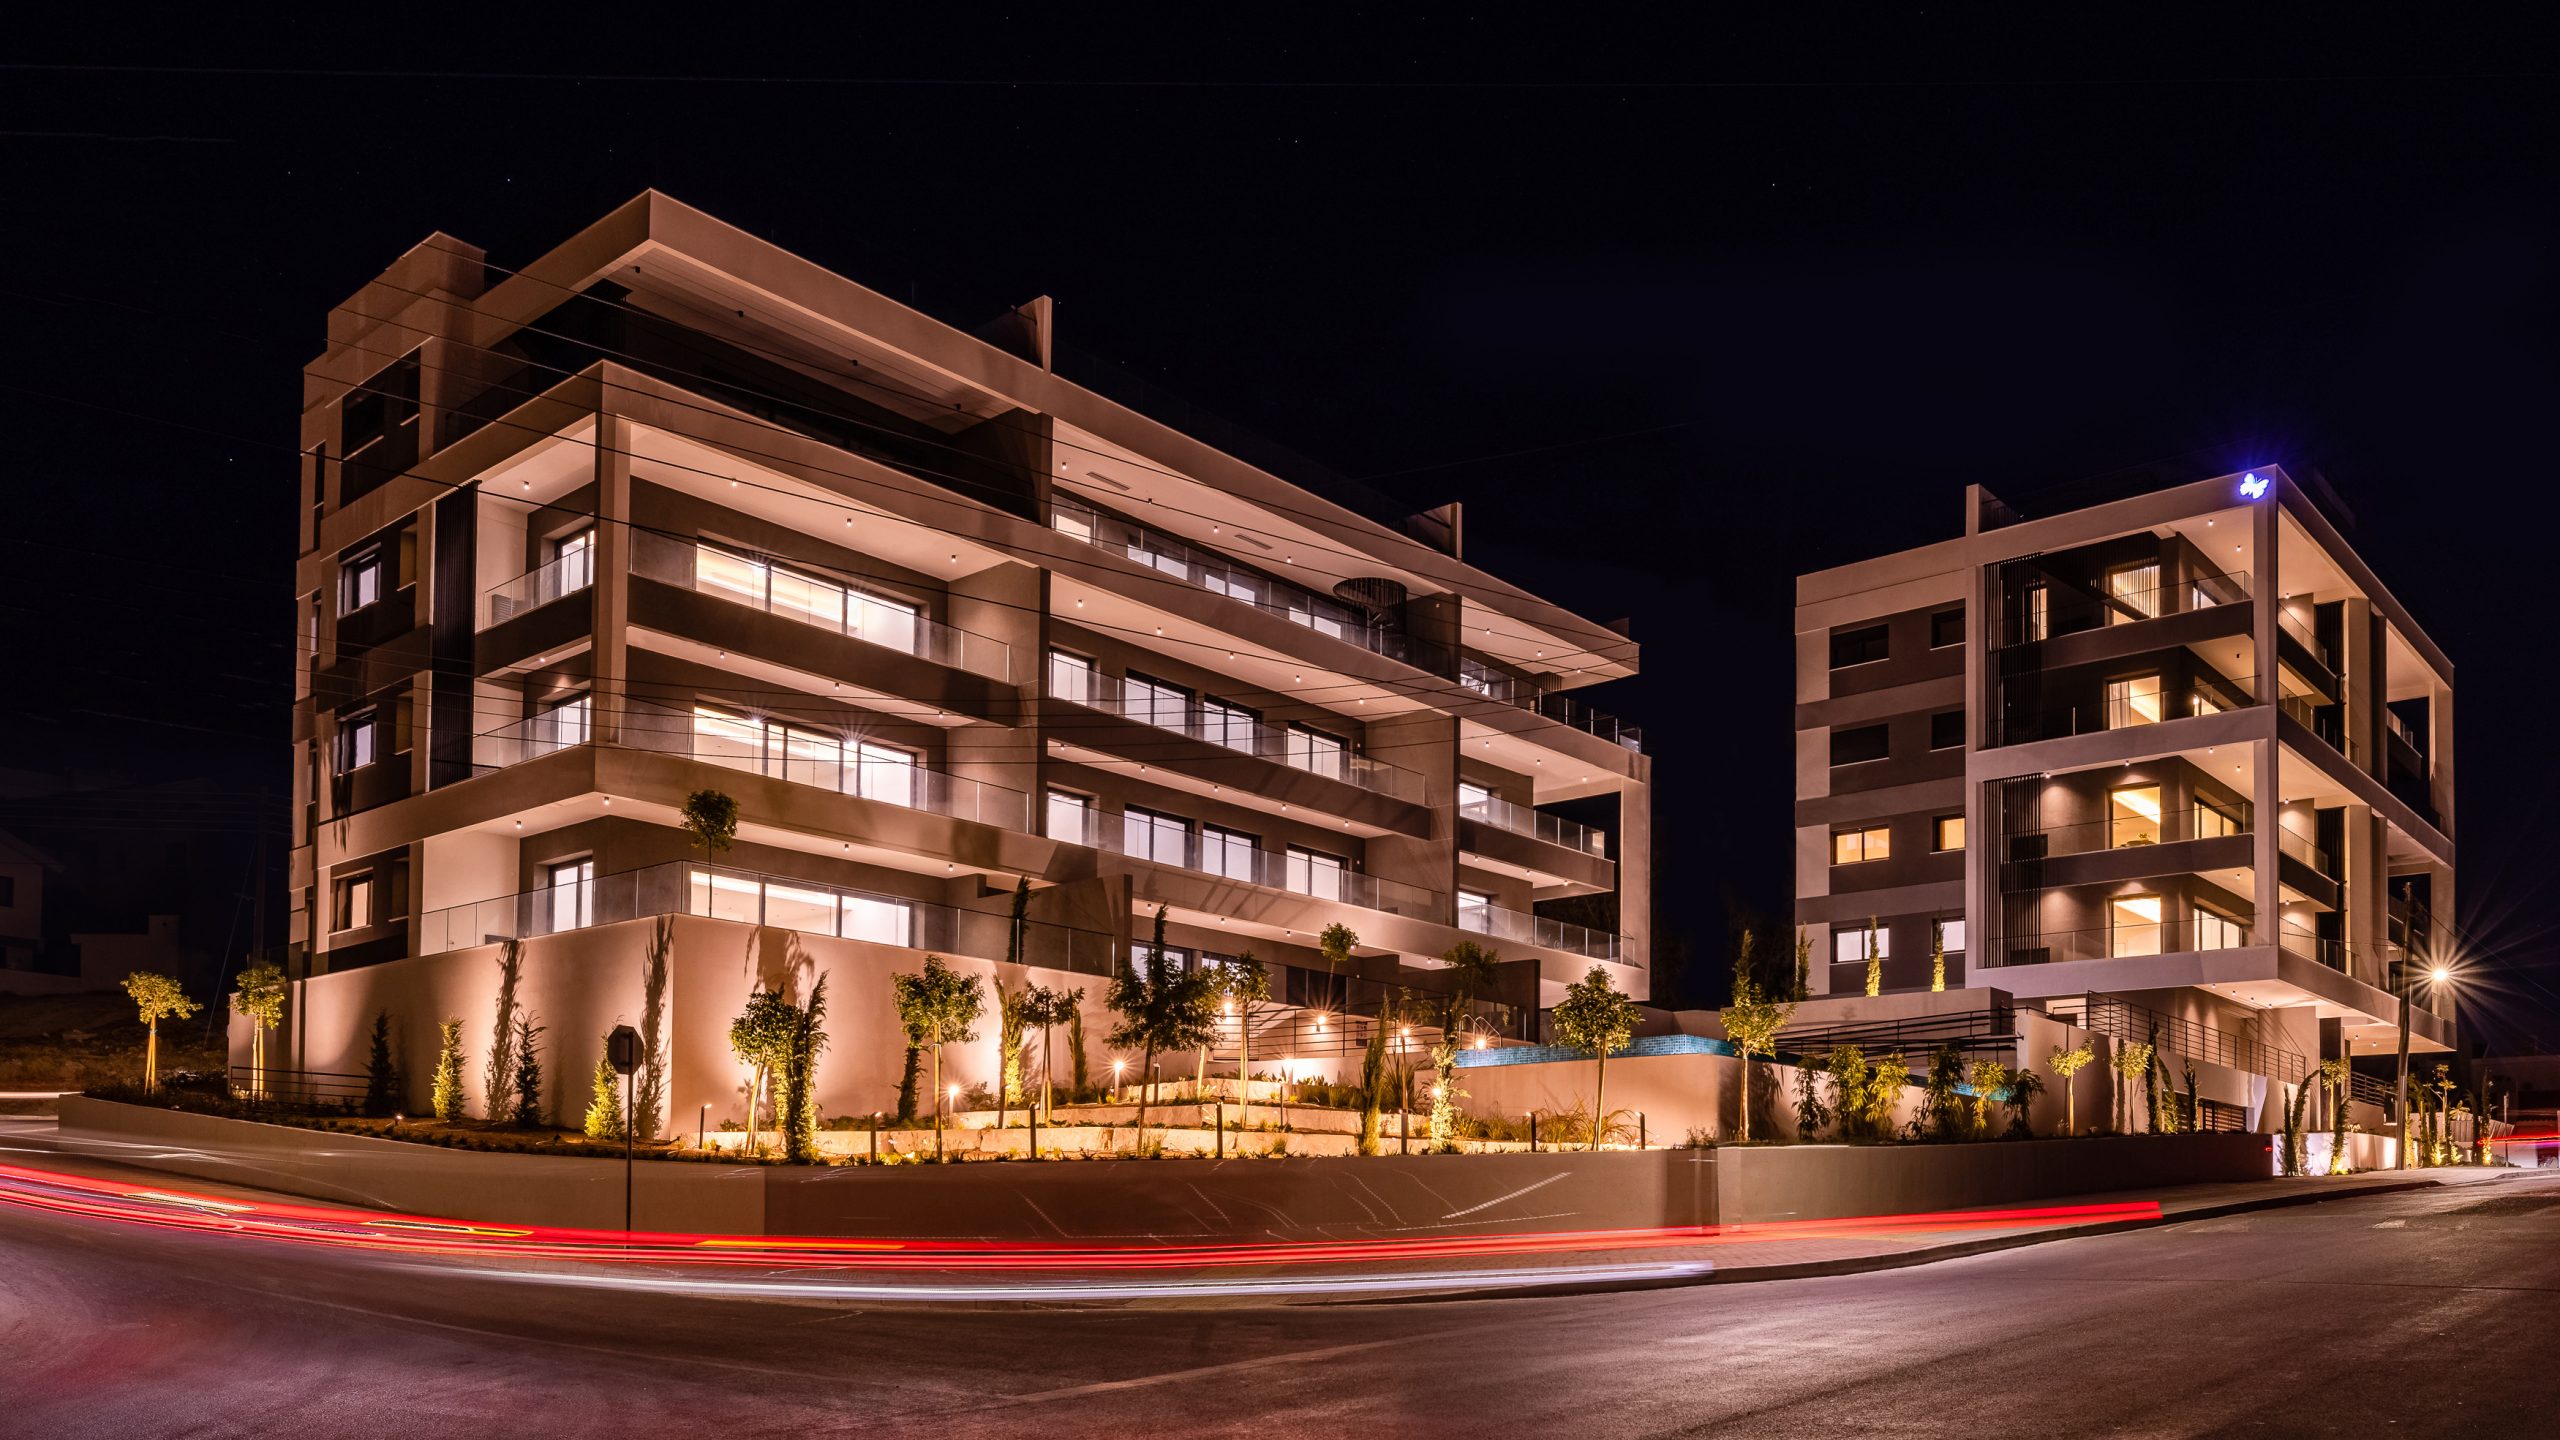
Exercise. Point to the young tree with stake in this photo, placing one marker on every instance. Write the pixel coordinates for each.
(1595, 1019)
(1752, 1023)
(941, 1005)
(1163, 1008)
(259, 996)
(155, 998)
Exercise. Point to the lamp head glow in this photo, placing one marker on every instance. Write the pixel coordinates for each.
(2252, 487)
(2440, 974)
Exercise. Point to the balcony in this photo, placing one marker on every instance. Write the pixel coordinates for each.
(1317, 877)
(2122, 942)
(1494, 922)
(1520, 819)
(1212, 573)
(818, 602)
(566, 576)
(2044, 610)
(2130, 830)
(1479, 678)
(754, 898)
(2120, 705)
(1233, 729)
(797, 756)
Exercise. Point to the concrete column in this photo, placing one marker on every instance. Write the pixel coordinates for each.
(2266, 593)
(2360, 672)
(2365, 871)
(610, 660)
(1634, 849)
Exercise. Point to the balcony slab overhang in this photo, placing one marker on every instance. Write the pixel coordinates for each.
(2264, 977)
(1545, 863)
(1090, 736)
(878, 672)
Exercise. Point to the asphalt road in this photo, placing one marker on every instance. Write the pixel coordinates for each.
(2423, 1313)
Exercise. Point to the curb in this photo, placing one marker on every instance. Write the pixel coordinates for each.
(1867, 1264)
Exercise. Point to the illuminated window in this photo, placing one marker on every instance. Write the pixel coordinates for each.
(1849, 943)
(1853, 847)
(882, 772)
(2133, 701)
(2219, 932)
(1951, 936)
(1316, 752)
(1151, 835)
(1152, 702)
(1071, 677)
(723, 738)
(360, 582)
(2133, 925)
(2034, 615)
(1225, 724)
(2133, 593)
(359, 742)
(2133, 816)
(575, 559)
(2213, 824)
(1312, 872)
(729, 575)
(1230, 853)
(1948, 833)
(1070, 817)
(570, 888)
(2200, 703)
(882, 922)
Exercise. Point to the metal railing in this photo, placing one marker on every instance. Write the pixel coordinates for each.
(1234, 729)
(1230, 858)
(1521, 819)
(2301, 848)
(2069, 609)
(536, 588)
(2376, 1093)
(818, 601)
(1498, 923)
(2119, 942)
(317, 1089)
(749, 897)
(2209, 692)
(1990, 1030)
(2139, 1025)
(2301, 629)
(1294, 603)
(1478, 677)
(2169, 828)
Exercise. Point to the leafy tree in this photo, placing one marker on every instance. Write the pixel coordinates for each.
(2340, 1078)
(155, 998)
(604, 1106)
(1811, 1113)
(2064, 1064)
(1803, 990)
(1373, 1078)
(2024, 1087)
(941, 1006)
(1884, 1092)
(260, 997)
(1990, 1081)
(799, 1103)
(2128, 1061)
(1595, 1019)
(761, 1039)
(1244, 984)
(1850, 1077)
(381, 1082)
(1875, 962)
(528, 1112)
(447, 1097)
(912, 1071)
(1163, 1008)
(710, 822)
(1941, 1108)
(1752, 1023)
(1013, 1025)
(1049, 1009)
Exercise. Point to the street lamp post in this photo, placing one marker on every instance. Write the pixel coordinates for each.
(2437, 978)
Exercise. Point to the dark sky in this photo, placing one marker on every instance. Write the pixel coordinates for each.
(1750, 303)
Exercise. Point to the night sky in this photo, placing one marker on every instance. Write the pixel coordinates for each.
(1676, 314)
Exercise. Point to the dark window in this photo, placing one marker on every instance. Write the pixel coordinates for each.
(8, 891)
(1867, 742)
(1861, 646)
(1946, 628)
(1946, 730)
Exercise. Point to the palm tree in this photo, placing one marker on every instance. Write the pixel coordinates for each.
(2064, 1064)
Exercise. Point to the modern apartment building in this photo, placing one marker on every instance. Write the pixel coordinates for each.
(2176, 767)
(669, 509)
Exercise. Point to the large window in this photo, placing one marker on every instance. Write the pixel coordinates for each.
(2213, 823)
(1230, 853)
(1070, 817)
(796, 905)
(1849, 943)
(1071, 677)
(1475, 911)
(1153, 835)
(1312, 872)
(882, 922)
(575, 557)
(883, 772)
(1855, 847)
(1862, 646)
(1225, 724)
(569, 895)
(359, 582)
(2133, 925)
(2133, 593)
(359, 741)
(2134, 700)
(1860, 745)
(355, 902)
(809, 599)
(1152, 702)
(2133, 816)
(563, 724)
(1950, 936)
(2216, 931)
(1316, 752)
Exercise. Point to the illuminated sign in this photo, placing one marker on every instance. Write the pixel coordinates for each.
(2251, 487)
